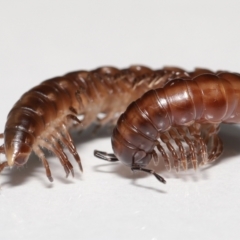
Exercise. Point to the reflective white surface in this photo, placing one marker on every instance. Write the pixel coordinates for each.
(40, 40)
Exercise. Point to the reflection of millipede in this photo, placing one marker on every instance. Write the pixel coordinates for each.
(181, 119)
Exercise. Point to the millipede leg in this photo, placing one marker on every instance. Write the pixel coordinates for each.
(66, 164)
(165, 157)
(50, 148)
(2, 149)
(192, 153)
(155, 158)
(195, 132)
(191, 147)
(73, 151)
(3, 165)
(60, 154)
(67, 140)
(183, 159)
(170, 147)
(74, 118)
(217, 148)
(1, 135)
(58, 150)
(182, 153)
(203, 149)
(40, 154)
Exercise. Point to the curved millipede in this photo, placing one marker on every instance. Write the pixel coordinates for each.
(179, 122)
(42, 116)
(178, 116)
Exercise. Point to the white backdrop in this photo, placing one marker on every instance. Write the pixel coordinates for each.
(42, 39)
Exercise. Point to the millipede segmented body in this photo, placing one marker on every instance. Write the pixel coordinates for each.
(178, 116)
(42, 116)
(179, 122)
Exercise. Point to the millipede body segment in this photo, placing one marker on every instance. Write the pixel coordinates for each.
(173, 115)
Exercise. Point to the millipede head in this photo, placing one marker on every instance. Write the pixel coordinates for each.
(17, 153)
(110, 157)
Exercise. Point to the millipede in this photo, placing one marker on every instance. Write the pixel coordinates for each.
(167, 114)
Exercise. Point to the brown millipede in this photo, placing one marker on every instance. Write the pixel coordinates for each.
(42, 116)
(179, 121)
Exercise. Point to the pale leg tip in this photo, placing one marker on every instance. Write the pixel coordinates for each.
(50, 179)
(168, 168)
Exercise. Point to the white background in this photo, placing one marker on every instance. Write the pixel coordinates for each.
(42, 39)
